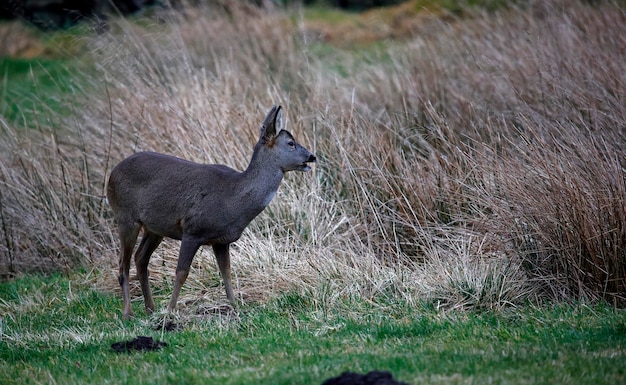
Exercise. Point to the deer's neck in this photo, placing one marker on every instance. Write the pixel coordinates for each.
(260, 182)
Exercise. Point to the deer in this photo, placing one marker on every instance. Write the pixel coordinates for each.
(198, 204)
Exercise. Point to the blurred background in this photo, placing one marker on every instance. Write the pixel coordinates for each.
(470, 153)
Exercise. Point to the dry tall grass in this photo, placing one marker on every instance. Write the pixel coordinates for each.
(479, 166)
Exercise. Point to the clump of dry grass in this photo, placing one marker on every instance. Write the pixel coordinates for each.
(476, 168)
(50, 204)
(520, 119)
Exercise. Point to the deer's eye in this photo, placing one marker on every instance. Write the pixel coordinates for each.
(291, 143)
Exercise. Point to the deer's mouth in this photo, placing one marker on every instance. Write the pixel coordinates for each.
(304, 166)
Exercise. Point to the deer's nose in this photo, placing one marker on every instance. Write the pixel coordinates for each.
(312, 158)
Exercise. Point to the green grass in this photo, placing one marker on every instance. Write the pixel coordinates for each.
(58, 330)
(34, 90)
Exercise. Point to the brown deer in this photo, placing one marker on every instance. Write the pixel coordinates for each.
(198, 204)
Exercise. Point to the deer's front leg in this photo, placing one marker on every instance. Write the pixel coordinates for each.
(188, 248)
(222, 253)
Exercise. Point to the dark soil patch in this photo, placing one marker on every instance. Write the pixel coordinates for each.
(140, 343)
(372, 378)
(168, 326)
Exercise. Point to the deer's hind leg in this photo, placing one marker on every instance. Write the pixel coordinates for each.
(149, 242)
(128, 236)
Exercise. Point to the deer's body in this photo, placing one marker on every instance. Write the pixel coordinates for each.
(196, 203)
(213, 202)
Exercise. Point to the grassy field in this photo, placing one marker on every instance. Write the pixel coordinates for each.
(464, 222)
(59, 330)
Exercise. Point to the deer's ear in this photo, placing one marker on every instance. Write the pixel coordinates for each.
(272, 124)
(278, 121)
